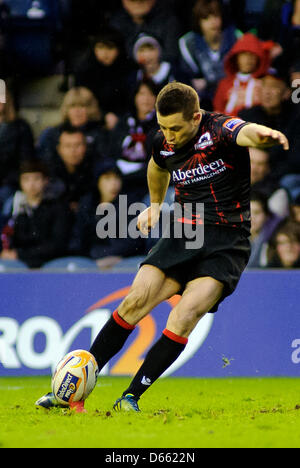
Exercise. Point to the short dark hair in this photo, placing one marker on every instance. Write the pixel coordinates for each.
(33, 166)
(177, 97)
(259, 197)
(70, 130)
(205, 8)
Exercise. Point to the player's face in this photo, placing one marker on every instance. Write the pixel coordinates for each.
(178, 131)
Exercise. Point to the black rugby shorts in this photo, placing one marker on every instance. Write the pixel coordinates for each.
(224, 256)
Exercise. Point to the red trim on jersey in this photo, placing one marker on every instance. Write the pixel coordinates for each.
(172, 336)
(122, 322)
(219, 213)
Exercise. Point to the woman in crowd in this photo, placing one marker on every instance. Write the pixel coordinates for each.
(284, 251)
(80, 109)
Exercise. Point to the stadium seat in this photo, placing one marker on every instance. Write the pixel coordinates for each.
(71, 264)
(11, 265)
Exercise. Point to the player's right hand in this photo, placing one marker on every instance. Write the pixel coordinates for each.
(148, 218)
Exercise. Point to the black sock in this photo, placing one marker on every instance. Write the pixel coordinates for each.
(110, 339)
(158, 360)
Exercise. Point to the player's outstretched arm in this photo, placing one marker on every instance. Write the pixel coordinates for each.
(259, 136)
(158, 183)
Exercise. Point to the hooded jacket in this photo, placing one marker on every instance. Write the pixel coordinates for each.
(239, 91)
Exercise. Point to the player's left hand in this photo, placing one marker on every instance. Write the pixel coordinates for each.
(269, 137)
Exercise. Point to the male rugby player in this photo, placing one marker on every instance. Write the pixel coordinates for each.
(206, 154)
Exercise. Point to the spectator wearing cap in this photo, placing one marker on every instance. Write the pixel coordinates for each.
(147, 52)
(203, 49)
(107, 71)
(277, 111)
(131, 140)
(38, 226)
(152, 17)
(88, 239)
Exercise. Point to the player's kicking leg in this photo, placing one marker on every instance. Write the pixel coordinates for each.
(198, 298)
(150, 288)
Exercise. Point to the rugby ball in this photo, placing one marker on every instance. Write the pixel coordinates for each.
(75, 377)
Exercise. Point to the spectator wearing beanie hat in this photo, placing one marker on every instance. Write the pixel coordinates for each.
(147, 52)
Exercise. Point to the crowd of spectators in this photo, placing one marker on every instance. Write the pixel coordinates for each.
(241, 56)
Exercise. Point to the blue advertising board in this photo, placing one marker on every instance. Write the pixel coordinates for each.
(256, 331)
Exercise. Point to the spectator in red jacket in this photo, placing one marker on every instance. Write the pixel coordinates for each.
(247, 61)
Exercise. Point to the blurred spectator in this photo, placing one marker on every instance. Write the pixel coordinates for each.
(80, 110)
(269, 26)
(104, 197)
(277, 112)
(264, 182)
(290, 30)
(295, 210)
(71, 171)
(202, 50)
(263, 225)
(246, 62)
(295, 71)
(284, 249)
(151, 17)
(106, 71)
(16, 145)
(38, 228)
(147, 52)
(131, 141)
(6, 66)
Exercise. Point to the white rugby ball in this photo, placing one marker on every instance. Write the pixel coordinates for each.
(75, 377)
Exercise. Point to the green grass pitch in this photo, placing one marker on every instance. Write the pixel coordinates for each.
(176, 413)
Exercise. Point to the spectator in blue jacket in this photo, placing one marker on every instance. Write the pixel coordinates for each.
(203, 49)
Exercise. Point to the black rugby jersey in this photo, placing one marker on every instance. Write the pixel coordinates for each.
(211, 169)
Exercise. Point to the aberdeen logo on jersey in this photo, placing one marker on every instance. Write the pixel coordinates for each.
(201, 172)
(204, 141)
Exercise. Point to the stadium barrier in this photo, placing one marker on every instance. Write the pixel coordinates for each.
(44, 315)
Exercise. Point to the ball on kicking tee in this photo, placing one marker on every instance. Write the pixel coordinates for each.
(75, 377)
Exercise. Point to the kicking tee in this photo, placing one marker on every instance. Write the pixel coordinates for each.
(210, 169)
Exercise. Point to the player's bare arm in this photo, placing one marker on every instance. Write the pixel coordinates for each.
(259, 136)
(158, 183)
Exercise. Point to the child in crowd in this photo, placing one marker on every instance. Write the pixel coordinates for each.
(203, 49)
(16, 145)
(107, 72)
(38, 228)
(87, 238)
(284, 251)
(147, 52)
(246, 62)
